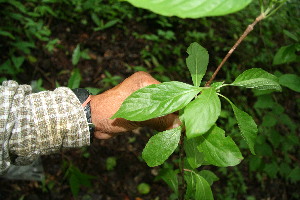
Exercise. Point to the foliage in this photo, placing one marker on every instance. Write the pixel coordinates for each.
(191, 8)
(198, 119)
(77, 179)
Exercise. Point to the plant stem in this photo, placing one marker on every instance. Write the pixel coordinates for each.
(243, 36)
(182, 186)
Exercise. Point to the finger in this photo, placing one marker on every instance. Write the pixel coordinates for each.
(102, 136)
(163, 123)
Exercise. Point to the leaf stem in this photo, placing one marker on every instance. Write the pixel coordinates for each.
(182, 186)
(243, 36)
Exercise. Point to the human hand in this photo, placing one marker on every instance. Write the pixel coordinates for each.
(105, 105)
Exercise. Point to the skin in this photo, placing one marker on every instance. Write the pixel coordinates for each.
(105, 105)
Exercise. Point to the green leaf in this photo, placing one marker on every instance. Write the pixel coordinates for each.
(203, 190)
(194, 157)
(197, 62)
(75, 79)
(191, 8)
(219, 150)
(161, 146)
(258, 79)
(294, 176)
(217, 85)
(209, 176)
(94, 91)
(76, 55)
(291, 81)
(291, 35)
(156, 100)
(107, 25)
(170, 177)
(190, 185)
(74, 185)
(18, 61)
(202, 113)
(7, 34)
(287, 54)
(271, 169)
(111, 163)
(197, 187)
(247, 125)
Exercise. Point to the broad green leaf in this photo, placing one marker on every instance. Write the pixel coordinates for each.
(246, 124)
(291, 81)
(197, 62)
(75, 79)
(209, 176)
(194, 157)
(191, 8)
(287, 54)
(156, 100)
(202, 113)
(218, 149)
(76, 55)
(197, 187)
(161, 146)
(258, 79)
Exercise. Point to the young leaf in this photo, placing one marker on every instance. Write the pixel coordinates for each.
(246, 124)
(18, 61)
(75, 79)
(156, 100)
(191, 8)
(219, 150)
(287, 54)
(258, 79)
(190, 185)
(202, 113)
(291, 81)
(76, 55)
(170, 177)
(203, 190)
(194, 157)
(197, 187)
(161, 146)
(209, 176)
(197, 62)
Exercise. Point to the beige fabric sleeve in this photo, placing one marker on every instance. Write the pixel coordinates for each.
(38, 124)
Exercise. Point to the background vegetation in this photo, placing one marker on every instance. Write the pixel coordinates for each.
(96, 44)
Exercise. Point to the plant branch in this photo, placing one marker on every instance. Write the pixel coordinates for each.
(243, 36)
(182, 186)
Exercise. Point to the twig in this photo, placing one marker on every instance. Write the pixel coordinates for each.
(246, 32)
(182, 186)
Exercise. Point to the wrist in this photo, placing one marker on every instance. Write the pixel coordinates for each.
(84, 97)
